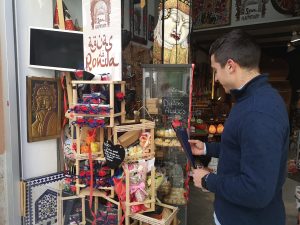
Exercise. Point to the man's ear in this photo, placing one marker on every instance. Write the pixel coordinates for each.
(231, 66)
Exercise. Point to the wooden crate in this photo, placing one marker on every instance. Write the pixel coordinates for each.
(60, 207)
(145, 125)
(82, 190)
(80, 133)
(169, 219)
(151, 201)
(112, 115)
(96, 206)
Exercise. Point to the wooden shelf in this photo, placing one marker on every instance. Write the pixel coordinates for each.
(96, 192)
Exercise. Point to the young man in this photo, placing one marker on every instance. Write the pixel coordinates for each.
(253, 150)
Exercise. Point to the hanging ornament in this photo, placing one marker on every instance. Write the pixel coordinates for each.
(69, 25)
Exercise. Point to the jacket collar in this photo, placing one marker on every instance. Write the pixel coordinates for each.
(250, 87)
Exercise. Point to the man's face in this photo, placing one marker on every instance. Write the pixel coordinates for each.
(176, 27)
(221, 74)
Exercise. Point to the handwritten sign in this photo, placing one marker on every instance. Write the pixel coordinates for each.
(102, 38)
(114, 154)
(102, 59)
(176, 106)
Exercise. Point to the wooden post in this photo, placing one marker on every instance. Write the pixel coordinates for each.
(96, 204)
(69, 88)
(83, 210)
(101, 141)
(115, 134)
(127, 202)
(61, 17)
(112, 104)
(77, 164)
(153, 197)
(109, 133)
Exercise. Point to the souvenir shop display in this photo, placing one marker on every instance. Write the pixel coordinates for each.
(110, 161)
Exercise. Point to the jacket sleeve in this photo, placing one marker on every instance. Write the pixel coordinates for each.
(213, 149)
(263, 141)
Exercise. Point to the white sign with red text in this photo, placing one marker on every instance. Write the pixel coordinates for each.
(102, 38)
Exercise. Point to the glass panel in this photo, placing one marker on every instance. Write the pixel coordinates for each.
(168, 89)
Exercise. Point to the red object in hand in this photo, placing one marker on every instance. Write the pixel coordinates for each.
(176, 123)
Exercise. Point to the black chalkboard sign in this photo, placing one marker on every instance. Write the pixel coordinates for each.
(114, 154)
(176, 106)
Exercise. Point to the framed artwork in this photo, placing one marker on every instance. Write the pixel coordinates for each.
(151, 28)
(138, 21)
(208, 13)
(43, 108)
(41, 199)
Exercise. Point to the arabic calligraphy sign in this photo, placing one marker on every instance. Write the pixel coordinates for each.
(102, 37)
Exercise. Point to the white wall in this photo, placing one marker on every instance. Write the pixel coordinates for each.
(38, 158)
(10, 195)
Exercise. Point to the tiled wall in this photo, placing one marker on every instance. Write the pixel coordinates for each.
(3, 205)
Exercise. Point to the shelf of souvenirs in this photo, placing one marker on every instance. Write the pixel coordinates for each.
(99, 193)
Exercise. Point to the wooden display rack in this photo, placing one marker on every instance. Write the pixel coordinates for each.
(111, 84)
(114, 131)
(150, 202)
(81, 189)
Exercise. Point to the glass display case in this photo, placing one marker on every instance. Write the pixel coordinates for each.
(167, 96)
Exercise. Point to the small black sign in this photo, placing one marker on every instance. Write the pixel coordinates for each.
(114, 154)
(173, 106)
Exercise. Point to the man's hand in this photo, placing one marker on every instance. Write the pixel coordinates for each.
(197, 147)
(197, 176)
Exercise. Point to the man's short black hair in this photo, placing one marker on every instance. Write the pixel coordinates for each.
(238, 46)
